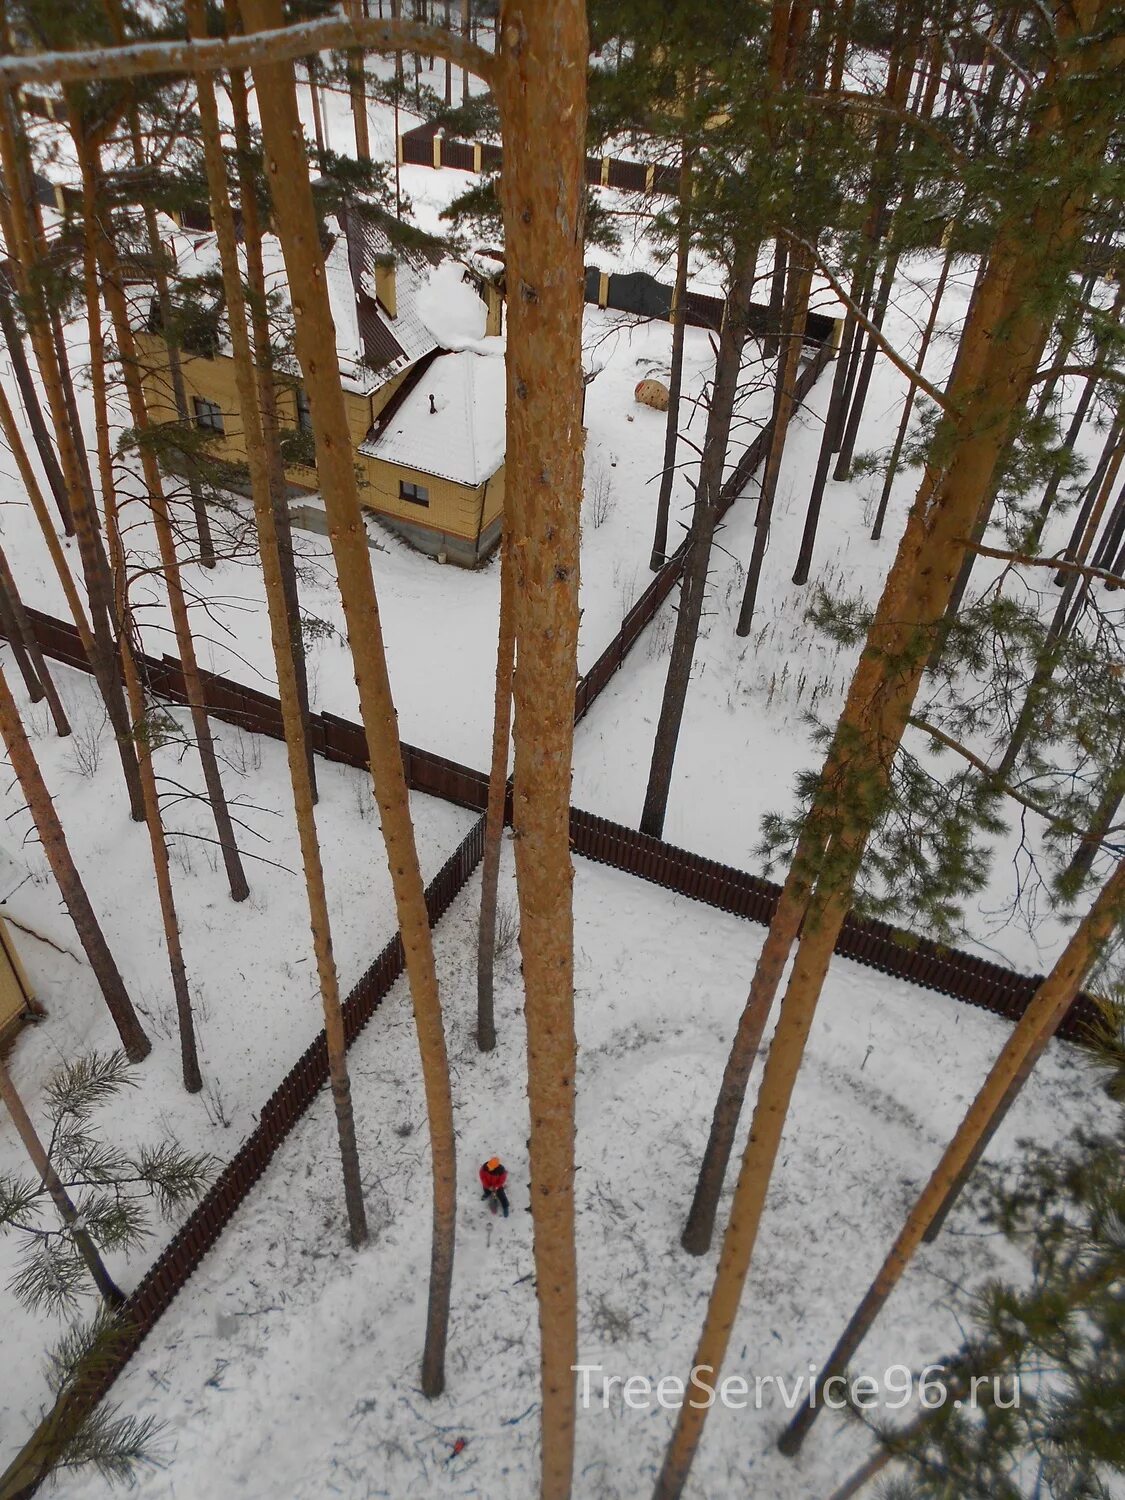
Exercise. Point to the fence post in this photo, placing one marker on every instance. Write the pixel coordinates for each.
(437, 149)
(650, 178)
(477, 153)
(605, 171)
(603, 289)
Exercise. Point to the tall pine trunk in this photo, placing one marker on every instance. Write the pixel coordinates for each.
(23, 634)
(676, 373)
(20, 233)
(1033, 246)
(705, 515)
(357, 87)
(185, 1019)
(296, 219)
(29, 395)
(497, 794)
(164, 302)
(136, 1044)
(114, 292)
(785, 403)
(294, 722)
(908, 403)
(540, 90)
(267, 389)
(1029, 1038)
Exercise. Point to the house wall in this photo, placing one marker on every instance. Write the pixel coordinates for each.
(214, 380)
(449, 524)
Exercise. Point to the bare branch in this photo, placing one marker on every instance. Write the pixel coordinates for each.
(915, 377)
(336, 34)
(1060, 564)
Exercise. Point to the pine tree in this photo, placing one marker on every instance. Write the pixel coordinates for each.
(86, 145)
(1027, 1042)
(497, 795)
(1033, 248)
(102, 1195)
(136, 1044)
(294, 720)
(1034, 1394)
(314, 335)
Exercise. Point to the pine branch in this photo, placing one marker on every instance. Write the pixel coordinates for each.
(986, 770)
(1059, 564)
(138, 59)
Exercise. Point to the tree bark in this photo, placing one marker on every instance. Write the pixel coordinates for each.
(1034, 244)
(19, 231)
(185, 1019)
(136, 1044)
(294, 722)
(497, 795)
(1034, 1029)
(110, 1292)
(29, 395)
(113, 290)
(676, 374)
(705, 516)
(866, 369)
(287, 171)
(785, 402)
(540, 90)
(466, 30)
(267, 390)
(164, 301)
(22, 636)
(357, 86)
(1078, 549)
(312, 64)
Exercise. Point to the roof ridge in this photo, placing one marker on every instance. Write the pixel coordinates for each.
(469, 423)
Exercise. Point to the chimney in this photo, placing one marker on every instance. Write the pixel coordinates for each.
(433, 407)
(385, 284)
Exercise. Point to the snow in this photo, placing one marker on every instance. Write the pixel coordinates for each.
(451, 309)
(250, 966)
(452, 422)
(291, 1366)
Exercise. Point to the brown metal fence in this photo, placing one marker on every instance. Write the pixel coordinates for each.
(876, 944)
(286, 1105)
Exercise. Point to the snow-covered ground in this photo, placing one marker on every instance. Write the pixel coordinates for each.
(290, 1367)
(250, 966)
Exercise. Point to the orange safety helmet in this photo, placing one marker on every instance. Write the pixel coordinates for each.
(492, 1163)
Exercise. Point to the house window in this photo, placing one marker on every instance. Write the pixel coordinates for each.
(417, 494)
(304, 411)
(208, 414)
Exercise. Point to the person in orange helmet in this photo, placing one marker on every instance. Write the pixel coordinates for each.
(493, 1176)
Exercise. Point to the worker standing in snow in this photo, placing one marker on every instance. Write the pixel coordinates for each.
(493, 1176)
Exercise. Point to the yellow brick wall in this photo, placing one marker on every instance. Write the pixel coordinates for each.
(453, 508)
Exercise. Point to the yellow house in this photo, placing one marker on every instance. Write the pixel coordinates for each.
(439, 485)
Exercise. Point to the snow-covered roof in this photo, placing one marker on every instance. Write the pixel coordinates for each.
(451, 424)
(433, 306)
